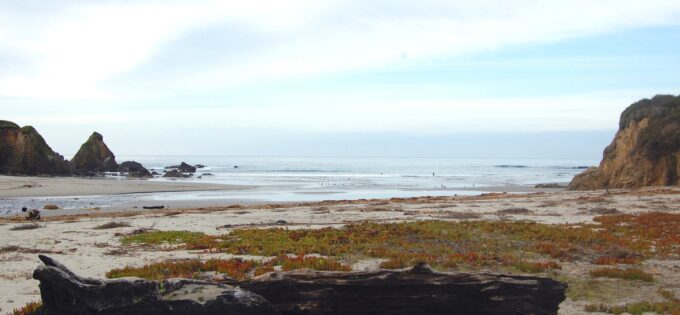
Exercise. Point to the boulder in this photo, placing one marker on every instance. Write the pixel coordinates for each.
(645, 150)
(65, 293)
(176, 174)
(549, 186)
(23, 151)
(183, 167)
(134, 169)
(94, 156)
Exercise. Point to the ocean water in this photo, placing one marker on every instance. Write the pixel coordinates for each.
(414, 173)
(280, 179)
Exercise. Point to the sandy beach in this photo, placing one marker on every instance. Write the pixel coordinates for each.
(74, 240)
(13, 186)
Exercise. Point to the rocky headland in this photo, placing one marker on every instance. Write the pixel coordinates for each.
(23, 151)
(645, 150)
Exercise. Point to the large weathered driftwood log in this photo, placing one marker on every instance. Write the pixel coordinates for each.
(65, 293)
(415, 291)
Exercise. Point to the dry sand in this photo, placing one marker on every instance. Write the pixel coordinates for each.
(73, 241)
(13, 186)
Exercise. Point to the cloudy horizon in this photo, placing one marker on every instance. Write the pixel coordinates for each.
(432, 78)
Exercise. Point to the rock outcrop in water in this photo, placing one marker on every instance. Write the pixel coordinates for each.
(415, 291)
(182, 167)
(23, 151)
(134, 169)
(94, 157)
(645, 150)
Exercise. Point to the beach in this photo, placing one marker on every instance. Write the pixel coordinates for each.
(31, 186)
(76, 240)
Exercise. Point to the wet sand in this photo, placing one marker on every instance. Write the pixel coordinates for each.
(15, 186)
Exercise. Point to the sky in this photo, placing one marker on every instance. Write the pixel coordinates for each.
(487, 78)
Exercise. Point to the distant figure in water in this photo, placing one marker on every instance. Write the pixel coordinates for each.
(235, 166)
(432, 173)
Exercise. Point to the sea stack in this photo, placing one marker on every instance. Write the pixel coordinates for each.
(94, 157)
(645, 150)
(23, 151)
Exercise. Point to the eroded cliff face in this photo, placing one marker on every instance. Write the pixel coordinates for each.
(645, 150)
(94, 156)
(23, 151)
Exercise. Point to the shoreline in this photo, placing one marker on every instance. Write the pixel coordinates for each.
(77, 195)
(39, 187)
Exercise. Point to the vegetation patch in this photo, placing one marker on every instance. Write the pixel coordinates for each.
(537, 267)
(610, 260)
(29, 308)
(235, 268)
(443, 244)
(626, 274)
(164, 237)
(671, 305)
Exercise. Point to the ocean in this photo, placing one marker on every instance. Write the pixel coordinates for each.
(281, 179)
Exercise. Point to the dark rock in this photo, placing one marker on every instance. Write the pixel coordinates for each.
(183, 167)
(645, 150)
(207, 174)
(23, 151)
(510, 166)
(94, 156)
(134, 169)
(153, 207)
(65, 293)
(176, 174)
(199, 166)
(551, 186)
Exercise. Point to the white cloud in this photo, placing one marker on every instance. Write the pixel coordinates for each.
(530, 115)
(74, 52)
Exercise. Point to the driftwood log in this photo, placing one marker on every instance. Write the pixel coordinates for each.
(65, 293)
(414, 291)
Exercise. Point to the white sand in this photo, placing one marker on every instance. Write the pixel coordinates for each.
(83, 248)
(13, 186)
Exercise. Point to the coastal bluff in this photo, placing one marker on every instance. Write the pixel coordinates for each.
(645, 150)
(23, 151)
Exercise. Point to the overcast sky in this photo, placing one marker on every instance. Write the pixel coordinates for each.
(531, 78)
